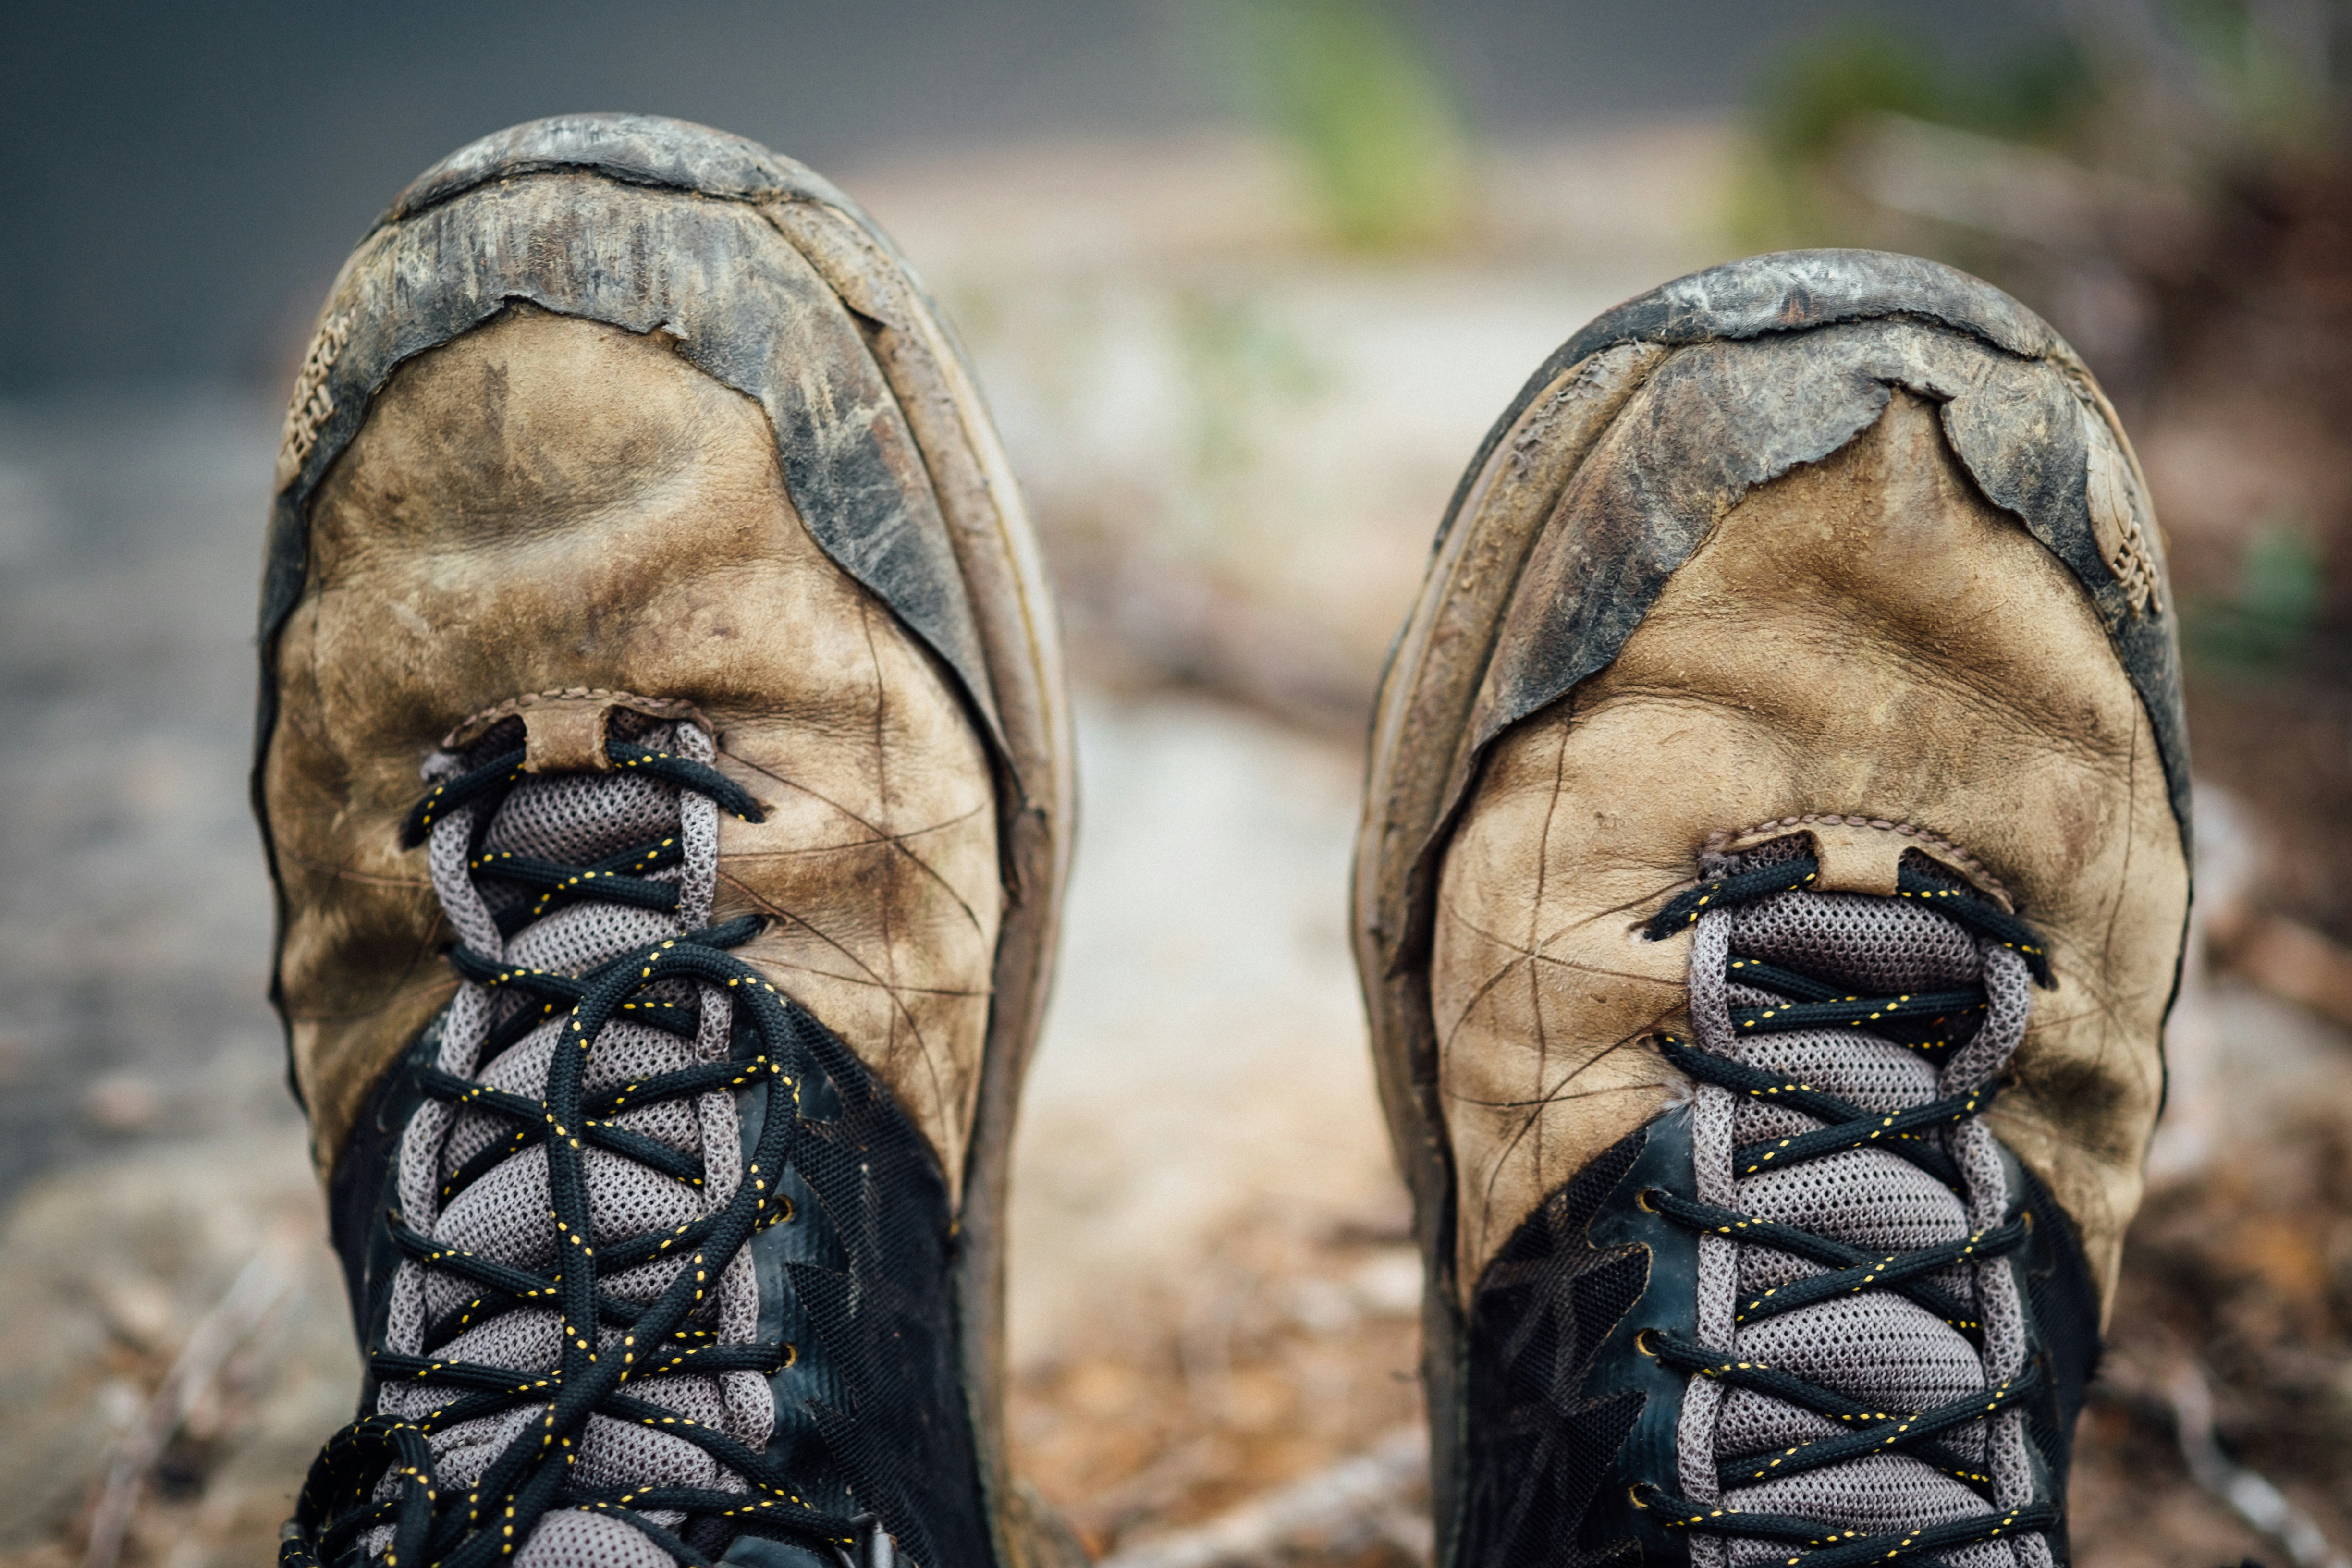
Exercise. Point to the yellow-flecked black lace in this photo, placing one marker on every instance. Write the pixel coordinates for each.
(1823, 1546)
(608, 1344)
(1931, 1024)
(1980, 915)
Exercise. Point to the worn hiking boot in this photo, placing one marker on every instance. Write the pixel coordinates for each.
(1771, 888)
(665, 772)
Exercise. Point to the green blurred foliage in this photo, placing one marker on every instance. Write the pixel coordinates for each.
(2256, 81)
(1837, 80)
(2181, 85)
(2039, 93)
(1248, 374)
(1837, 77)
(1358, 96)
(2268, 623)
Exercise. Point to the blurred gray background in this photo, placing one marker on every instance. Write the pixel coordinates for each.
(182, 181)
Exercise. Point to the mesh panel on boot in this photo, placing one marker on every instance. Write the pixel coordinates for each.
(505, 1215)
(1875, 1347)
(1869, 943)
(575, 1539)
(1881, 1493)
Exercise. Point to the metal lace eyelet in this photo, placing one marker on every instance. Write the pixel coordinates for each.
(1641, 1200)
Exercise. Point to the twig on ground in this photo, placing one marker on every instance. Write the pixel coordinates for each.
(2255, 1499)
(1361, 1493)
(259, 1288)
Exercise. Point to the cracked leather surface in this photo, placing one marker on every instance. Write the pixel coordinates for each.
(547, 503)
(1866, 635)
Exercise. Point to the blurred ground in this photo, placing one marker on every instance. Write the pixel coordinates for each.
(1238, 442)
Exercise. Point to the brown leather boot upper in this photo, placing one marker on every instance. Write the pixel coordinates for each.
(1865, 638)
(664, 768)
(1772, 889)
(547, 503)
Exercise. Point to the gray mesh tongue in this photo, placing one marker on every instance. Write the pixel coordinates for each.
(1876, 1347)
(506, 1215)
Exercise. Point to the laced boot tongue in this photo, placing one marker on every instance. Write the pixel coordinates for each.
(533, 886)
(1881, 1351)
(1846, 1042)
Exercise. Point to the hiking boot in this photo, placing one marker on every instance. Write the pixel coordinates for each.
(1771, 888)
(665, 772)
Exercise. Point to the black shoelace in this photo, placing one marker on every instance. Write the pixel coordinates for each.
(1931, 1023)
(434, 1523)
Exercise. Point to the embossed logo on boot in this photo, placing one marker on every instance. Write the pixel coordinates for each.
(308, 411)
(2119, 521)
